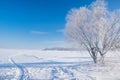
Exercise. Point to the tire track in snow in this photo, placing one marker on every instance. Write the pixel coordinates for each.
(23, 71)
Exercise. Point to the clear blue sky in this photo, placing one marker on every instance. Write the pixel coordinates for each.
(34, 24)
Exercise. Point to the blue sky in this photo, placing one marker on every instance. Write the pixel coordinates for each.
(34, 24)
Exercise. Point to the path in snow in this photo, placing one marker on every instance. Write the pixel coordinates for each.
(56, 65)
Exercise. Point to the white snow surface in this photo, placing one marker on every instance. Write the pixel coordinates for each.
(56, 65)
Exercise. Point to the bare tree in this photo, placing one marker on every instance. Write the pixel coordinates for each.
(94, 27)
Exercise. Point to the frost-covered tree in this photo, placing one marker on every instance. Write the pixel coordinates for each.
(94, 27)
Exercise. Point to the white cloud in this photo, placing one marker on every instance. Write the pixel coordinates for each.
(38, 32)
(55, 41)
(60, 30)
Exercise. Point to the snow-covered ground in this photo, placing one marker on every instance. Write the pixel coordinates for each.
(56, 65)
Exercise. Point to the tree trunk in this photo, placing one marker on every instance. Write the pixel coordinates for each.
(102, 58)
(94, 58)
(94, 54)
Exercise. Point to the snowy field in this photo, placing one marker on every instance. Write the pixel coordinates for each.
(56, 65)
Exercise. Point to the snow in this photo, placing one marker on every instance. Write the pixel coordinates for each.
(56, 65)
